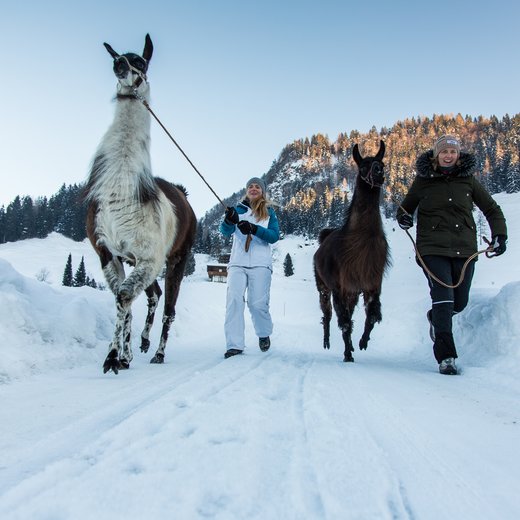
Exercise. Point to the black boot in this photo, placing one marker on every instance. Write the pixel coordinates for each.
(448, 367)
(264, 344)
(445, 353)
(232, 352)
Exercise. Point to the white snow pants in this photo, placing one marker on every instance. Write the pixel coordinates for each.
(257, 281)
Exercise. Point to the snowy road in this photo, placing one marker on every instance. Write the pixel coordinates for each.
(287, 434)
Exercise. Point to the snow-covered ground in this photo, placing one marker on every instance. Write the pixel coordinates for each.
(293, 433)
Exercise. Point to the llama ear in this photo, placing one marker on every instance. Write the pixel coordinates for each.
(148, 48)
(356, 155)
(381, 152)
(111, 51)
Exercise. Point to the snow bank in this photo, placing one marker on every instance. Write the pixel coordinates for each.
(44, 328)
(488, 331)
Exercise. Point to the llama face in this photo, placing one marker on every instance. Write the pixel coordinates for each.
(371, 169)
(129, 67)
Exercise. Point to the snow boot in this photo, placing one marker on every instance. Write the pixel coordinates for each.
(264, 344)
(432, 329)
(232, 352)
(447, 367)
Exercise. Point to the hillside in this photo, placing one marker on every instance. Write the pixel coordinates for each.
(312, 179)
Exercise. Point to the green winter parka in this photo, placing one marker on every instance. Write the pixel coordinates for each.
(444, 204)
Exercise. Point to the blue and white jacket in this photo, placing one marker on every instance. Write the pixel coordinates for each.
(259, 254)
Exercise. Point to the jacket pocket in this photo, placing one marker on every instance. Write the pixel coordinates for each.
(431, 224)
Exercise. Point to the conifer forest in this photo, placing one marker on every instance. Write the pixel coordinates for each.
(311, 180)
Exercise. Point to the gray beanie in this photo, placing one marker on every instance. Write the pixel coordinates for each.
(260, 182)
(446, 141)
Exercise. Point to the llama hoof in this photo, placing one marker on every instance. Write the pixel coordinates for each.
(145, 345)
(326, 345)
(124, 364)
(363, 343)
(111, 363)
(348, 359)
(158, 359)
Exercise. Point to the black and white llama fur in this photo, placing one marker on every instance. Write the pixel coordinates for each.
(133, 217)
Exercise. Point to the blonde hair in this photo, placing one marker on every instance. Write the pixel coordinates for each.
(260, 206)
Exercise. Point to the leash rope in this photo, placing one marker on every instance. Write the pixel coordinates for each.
(145, 103)
(488, 250)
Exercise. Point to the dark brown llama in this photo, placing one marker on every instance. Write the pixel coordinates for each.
(352, 259)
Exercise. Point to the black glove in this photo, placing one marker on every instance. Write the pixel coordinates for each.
(498, 243)
(247, 228)
(405, 221)
(231, 216)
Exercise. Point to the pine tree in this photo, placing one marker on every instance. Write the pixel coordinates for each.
(288, 269)
(28, 218)
(80, 277)
(67, 274)
(14, 220)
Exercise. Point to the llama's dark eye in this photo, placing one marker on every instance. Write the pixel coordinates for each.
(377, 168)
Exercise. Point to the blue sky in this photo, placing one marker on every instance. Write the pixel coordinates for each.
(235, 81)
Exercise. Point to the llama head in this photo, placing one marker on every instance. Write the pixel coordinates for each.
(130, 68)
(371, 169)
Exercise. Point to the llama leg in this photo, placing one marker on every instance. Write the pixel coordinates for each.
(154, 293)
(112, 361)
(140, 278)
(127, 355)
(344, 308)
(373, 316)
(114, 275)
(326, 309)
(172, 283)
(113, 270)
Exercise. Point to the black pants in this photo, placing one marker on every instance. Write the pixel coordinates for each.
(447, 302)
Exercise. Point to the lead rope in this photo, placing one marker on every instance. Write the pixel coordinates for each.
(488, 250)
(145, 103)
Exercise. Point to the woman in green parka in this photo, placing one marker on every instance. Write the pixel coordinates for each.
(443, 193)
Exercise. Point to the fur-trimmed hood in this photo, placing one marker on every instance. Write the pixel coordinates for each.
(465, 167)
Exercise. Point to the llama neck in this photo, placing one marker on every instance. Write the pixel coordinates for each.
(364, 207)
(131, 116)
(122, 164)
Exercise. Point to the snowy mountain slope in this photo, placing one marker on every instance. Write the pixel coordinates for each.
(293, 433)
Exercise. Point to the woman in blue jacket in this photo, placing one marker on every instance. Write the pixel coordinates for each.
(254, 227)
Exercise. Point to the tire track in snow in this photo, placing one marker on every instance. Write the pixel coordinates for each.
(355, 480)
(425, 464)
(312, 492)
